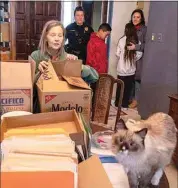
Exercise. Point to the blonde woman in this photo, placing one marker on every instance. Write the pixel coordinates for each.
(51, 45)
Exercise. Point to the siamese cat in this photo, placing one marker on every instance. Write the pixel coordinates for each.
(146, 152)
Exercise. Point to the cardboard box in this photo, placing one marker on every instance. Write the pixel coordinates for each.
(5, 30)
(4, 56)
(90, 172)
(61, 88)
(16, 86)
(66, 120)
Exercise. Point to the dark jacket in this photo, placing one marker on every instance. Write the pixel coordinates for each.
(78, 37)
(142, 38)
(97, 54)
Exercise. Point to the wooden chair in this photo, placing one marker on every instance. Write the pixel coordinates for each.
(103, 96)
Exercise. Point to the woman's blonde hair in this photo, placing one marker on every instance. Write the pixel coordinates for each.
(43, 46)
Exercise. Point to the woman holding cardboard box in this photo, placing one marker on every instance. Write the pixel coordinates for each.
(51, 47)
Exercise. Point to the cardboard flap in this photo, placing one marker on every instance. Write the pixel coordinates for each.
(33, 67)
(76, 81)
(68, 67)
(15, 75)
(48, 75)
(92, 174)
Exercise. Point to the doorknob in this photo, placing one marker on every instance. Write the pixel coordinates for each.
(33, 44)
(27, 42)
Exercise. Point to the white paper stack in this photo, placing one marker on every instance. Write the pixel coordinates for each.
(39, 153)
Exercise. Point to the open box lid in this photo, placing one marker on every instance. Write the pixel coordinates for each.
(71, 68)
(92, 174)
(67, 120)
(51, 75)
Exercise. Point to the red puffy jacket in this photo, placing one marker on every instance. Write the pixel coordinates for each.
(97, 54)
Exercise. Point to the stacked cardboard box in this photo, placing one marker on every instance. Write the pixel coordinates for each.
(16, 87)
(90, 172)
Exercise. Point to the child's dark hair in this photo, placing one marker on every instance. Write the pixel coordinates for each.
(131, 37)
(79, 8)
(141, 14)
(105, 27)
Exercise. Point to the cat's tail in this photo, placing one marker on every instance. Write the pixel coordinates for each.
(162, 127)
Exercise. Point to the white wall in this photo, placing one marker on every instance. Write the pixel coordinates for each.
(121, 16)
(146, 10)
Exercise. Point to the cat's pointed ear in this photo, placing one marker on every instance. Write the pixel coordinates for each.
(120, 125)
(142, 133)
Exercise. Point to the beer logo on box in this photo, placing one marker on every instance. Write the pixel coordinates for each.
(46, 75)
(67, 106)
(49, 98)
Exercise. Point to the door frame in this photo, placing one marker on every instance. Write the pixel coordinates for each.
(12, 30)
(104, 11)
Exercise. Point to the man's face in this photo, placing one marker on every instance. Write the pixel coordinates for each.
(104, 34)
(79, 17)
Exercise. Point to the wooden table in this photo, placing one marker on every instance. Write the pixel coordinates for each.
(173, 112)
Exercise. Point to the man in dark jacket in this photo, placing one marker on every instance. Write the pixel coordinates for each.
(78, 35)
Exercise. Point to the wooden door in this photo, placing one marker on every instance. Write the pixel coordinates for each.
(22, 29)
(41, 12)
(30, 18)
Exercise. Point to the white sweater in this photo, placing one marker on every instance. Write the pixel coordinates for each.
(125, 68)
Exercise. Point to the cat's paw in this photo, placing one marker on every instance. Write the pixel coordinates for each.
(155, 181)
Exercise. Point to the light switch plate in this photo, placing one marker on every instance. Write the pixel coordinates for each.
(153, 37)
(160, 37)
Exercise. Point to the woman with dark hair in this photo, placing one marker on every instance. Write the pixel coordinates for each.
(138, 21)
(126, 66)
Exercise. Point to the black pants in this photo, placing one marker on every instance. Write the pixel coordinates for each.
(93, 87)
(128, 84)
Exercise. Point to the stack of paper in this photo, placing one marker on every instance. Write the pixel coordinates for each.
(48, 152)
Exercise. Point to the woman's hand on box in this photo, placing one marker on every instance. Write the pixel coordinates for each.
(71, 57)
(42, 66)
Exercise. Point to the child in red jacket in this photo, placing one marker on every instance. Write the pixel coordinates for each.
(97, 52)
(97, 49)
